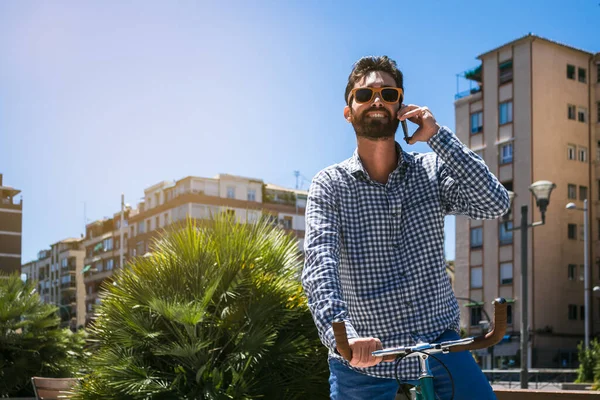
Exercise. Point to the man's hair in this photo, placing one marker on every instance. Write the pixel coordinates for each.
(369, 64)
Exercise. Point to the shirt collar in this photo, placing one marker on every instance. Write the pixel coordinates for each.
(355, 166)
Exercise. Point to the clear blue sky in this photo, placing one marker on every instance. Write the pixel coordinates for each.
(99, 98)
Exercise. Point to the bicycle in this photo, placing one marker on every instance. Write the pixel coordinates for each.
(424, 385)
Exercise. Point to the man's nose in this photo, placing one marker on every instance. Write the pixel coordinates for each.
(377, 100)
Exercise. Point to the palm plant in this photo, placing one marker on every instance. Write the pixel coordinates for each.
(215, 312)
(32, 343)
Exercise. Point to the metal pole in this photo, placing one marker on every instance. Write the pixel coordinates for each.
(524, 300)
(121, 230)
(586, 273)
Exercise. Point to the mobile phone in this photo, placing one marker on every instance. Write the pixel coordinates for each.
(405, 130)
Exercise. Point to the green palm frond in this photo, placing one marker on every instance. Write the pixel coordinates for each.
(32, 341)
(216, 312)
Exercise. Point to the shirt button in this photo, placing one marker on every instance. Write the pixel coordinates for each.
(394, 214)
(408, 303)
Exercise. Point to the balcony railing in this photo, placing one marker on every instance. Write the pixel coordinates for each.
(466, 93)
(68, 285)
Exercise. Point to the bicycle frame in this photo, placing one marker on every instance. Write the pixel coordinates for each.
(424, 389)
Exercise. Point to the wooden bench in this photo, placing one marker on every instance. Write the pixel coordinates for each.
(52, 388)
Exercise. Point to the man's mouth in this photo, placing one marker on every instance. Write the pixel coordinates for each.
(376, 114)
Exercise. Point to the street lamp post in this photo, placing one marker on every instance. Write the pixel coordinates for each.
(541, 190)
(586, 271)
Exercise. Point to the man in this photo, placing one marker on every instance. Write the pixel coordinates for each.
(375, 240)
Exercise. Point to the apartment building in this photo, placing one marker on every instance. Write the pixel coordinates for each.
(11, 218)
(103, 253)
(245, 199)
(58, 271)
(169, 203)
(533, 114)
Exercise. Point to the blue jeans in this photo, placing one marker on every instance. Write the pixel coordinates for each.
(469, 381)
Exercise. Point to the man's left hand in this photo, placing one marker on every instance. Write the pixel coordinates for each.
(421, 116)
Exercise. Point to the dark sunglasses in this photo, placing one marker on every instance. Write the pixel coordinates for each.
(389, 95)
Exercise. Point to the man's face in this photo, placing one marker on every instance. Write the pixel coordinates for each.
(375, 119)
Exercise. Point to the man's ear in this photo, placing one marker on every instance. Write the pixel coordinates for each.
(348, 114)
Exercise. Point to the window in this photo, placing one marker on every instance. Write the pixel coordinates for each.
(505, 112)
(506, 235)
(509, 314)
(506, 72)
(572, 191)
(506, 273)
(506, 153)
(476, 122)
(572, 231)
(476, 278)
(253, 216)
(157, 222)
(583, 192)
(570, 71)
(582, 114)
(583, 154)
(571, 151)
(109, 264)
(571, 110)
(251, 195)
(141, 227)
(581, 74)
(475, 315)
(479, 153)
(571, 271)
(581, 272)
(287, 222)
(508, 185)
(230, 192)
(476, 237)
(166, 219)
(582, 312)
(108, 244)
(139, 248)
(572, 311)
(149, 224)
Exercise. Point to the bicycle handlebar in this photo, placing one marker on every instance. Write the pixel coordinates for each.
(480, 342)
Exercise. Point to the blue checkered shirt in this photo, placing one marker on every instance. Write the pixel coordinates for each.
(374, 253)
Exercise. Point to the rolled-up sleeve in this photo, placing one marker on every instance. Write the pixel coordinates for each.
(466, 184)
(320, 277)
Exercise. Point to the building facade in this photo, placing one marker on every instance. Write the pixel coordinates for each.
(104, 251)
(168, 204)
(58, 272)
(11, 221)
(532, 115)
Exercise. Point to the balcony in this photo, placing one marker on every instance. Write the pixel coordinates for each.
(474, 76)
(68, 286)
(67, 270)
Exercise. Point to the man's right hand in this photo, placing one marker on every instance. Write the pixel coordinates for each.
(361, 352)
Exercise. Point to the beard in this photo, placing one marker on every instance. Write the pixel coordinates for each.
(374, 129)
